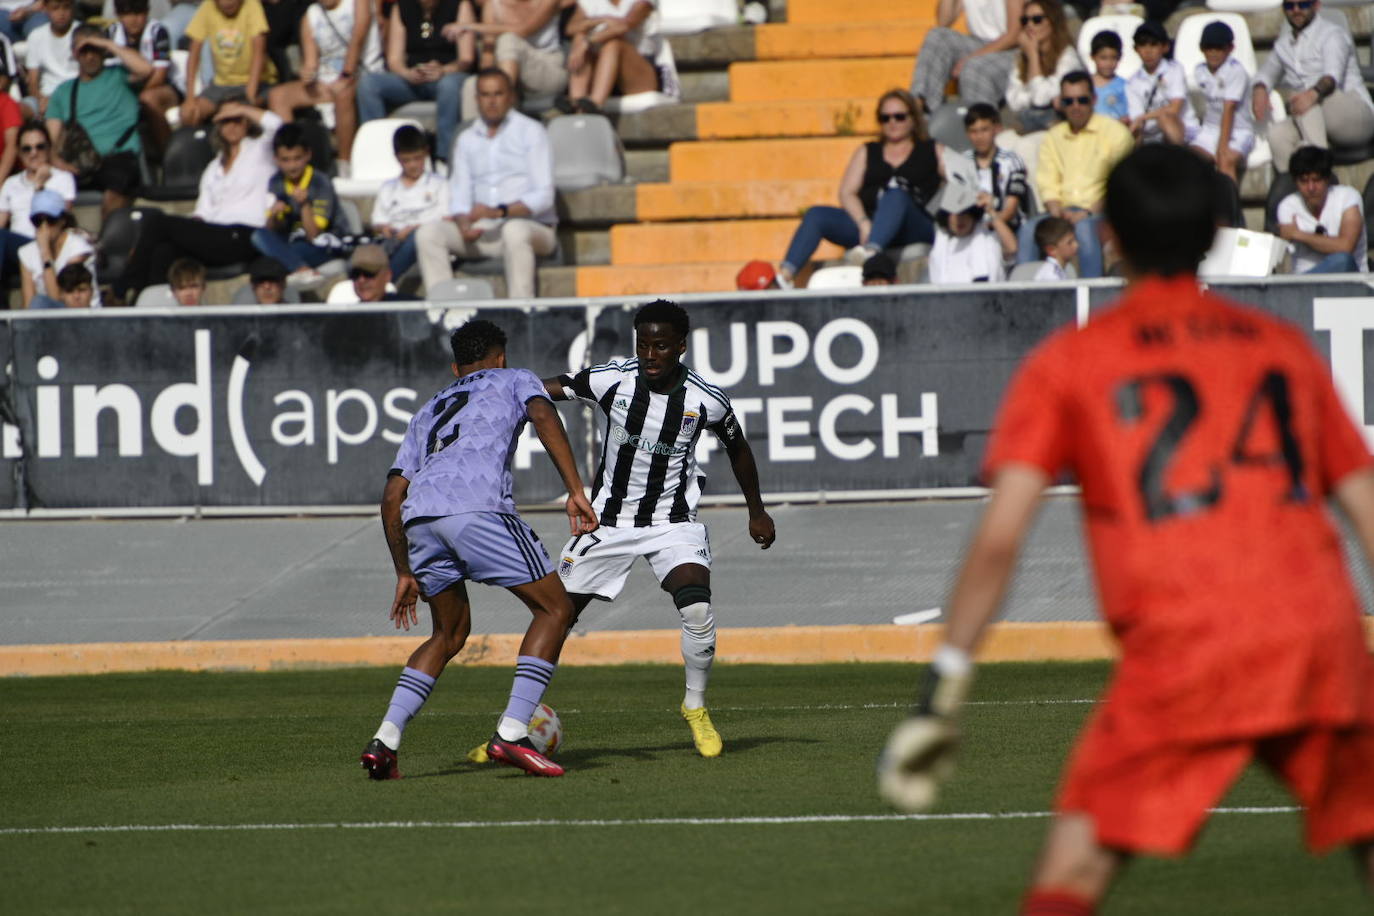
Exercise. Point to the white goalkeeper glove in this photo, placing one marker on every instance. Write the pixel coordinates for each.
(919, 755)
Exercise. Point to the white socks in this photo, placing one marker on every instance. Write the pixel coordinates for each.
(698, 651)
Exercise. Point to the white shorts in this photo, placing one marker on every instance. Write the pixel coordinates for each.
(597, 563)
(1205, 138)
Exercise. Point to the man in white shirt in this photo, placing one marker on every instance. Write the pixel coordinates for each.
(500, 194)
(1323, 220)
(1313, 63)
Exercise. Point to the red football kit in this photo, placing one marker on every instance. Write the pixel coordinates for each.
(1206, 438)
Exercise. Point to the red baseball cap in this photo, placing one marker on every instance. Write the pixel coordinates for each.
(755, 275)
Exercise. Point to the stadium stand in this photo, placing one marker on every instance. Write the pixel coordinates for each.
(461, 288)
(157, 296)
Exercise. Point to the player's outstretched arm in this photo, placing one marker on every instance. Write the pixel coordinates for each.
(549, 427)
(761, 527)
(407, 589)
(920, 751)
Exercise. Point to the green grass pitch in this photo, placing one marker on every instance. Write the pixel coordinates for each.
(281, 750)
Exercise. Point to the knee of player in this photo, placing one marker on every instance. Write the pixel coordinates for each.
(693, 602)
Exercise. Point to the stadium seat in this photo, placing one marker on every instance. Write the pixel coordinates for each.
(118, 235)
(1024, 273)
(947, 126)
(350, 218)
(422, 112)
(374, 162)
(687, 17)
(460, 288)
(188, 153)
(586, 152)
(157, 296)
(1123, 25)
(1243, 6)
(845, 276)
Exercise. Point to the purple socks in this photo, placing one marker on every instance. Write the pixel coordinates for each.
(532, 676)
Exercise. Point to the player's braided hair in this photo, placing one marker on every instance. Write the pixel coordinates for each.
(661, 311)
(473, 341)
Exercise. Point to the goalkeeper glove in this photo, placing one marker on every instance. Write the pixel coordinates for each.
(919, 755)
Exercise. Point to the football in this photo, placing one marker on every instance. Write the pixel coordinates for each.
(546, 730)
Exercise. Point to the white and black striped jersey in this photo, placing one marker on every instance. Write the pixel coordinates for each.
(648, 473)
(155, 44)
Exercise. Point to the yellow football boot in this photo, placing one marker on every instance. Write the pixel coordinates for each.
(704, 734)
(479, 754)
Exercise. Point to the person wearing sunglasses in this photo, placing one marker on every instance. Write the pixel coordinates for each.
(1313, 65)
(981, 60)
(882, 194)
(56, 244)
(16, 195)
(370, 272)
(1045, 53)
(1071, 174)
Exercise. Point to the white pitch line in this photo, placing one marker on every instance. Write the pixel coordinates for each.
(918, 617)
(626, 822)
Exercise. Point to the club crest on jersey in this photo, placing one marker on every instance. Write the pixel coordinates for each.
(689, 422)
(622, 404)
(565, 566)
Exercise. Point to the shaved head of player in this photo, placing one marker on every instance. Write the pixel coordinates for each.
(1206, 439)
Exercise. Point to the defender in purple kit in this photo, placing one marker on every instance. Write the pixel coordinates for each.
(655, 410)
(449, 516)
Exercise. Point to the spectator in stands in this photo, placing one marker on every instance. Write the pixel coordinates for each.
(283, 33)
(1057, 243)
(1072, 172)
(981, 61)
(1157, 93)
(1314, 61)
(882, 195)
(1045, 53)
(1227, 134)
(232, 204)
(339, 44)
(178, 18)
(49, 57)
(300, 224)
(370, 273)
(500, 194)
(16, 194)
(1001, 173)
(237, 32)
(1323, 220)
(614, 46)
(1105, 51)
(422, 65)
(522, 38)
(404, 204)
(19, 18)
(973, 244)
(267, 285)
(879, 270)
(11, 119)
(75, 287)
(56, 244)
(186, 277)
(166, 87)
(103, 104)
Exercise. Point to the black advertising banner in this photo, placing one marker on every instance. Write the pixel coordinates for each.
(860, 392)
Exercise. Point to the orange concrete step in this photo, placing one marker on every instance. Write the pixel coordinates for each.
(846, 39)
(828, 11)
(657, 279)
(840, 78)
(761, 160)
(706, 242)
(747, 120)
(731, 199)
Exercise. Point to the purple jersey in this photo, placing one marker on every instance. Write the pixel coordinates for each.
(458, 449)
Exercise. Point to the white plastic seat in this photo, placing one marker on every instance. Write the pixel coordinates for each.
(374, 161)
(157, 296)
(586, 152)
(686, 17)
(460, 288)
(343, 293)
(1124, 26)
(845, 276)
(1243, 6)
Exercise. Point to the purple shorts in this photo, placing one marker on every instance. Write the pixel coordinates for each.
(496, 548)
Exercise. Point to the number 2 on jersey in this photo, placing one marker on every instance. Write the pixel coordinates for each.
(446, 409)
(1272, 392)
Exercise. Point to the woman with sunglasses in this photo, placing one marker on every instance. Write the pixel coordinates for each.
(232, 204)
(56, 244)
(1046, 54)
(882, 194)
(16, 194)
(981, 61)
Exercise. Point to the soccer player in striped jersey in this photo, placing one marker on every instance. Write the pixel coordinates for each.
(647, 487)
(449, 516)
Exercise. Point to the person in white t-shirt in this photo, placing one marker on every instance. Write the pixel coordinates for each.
(1157, 93)
(339, 43)
(1323, 220)
(16, 194)
(615, 46)
(973, 243)
(406, 203)
(49, 58)
(1228, 132)
(57, 243)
